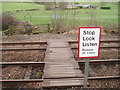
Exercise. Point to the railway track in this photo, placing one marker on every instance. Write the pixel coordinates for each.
(43, 48)
(71, 42)
(43, 63)
(41, 80)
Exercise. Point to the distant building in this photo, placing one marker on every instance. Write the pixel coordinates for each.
(73, 6)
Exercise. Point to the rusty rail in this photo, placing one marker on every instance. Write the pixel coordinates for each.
(103, 47)
(100, 61)
(21, 80)
(21, 49)
(14, 43)
(22, 63)
(102, 41)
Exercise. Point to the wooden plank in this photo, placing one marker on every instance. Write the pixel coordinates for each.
(57, 45)
(54, 44)
(63, 72)
(61, 65)
(64, 64)
(60, 60)
(63, 75)
(59, 50)
(58, 57)
(62, 82)
(59, 54)
(60, 70)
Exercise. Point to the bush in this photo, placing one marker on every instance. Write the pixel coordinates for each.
(8, 21)
(76, 3)
(11, 26)
(105, 7)
(79, 7)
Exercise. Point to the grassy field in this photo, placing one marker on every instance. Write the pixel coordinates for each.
(82, 17)
(19, 6)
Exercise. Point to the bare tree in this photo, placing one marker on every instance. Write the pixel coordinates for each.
(63, 5)
(49, 5)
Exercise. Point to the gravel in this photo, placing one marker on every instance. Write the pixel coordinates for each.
(18, 72)
(102, 69)
(17, 86)
(105, 83)
(23, 56)
(13, 72)
(104, 54)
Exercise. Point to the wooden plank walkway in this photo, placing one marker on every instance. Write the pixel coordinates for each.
(62, 69)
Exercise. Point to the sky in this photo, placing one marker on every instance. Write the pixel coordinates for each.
(61, 0)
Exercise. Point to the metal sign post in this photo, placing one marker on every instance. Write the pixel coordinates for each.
(86, 71)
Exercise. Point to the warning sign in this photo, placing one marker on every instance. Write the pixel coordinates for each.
(89, 42)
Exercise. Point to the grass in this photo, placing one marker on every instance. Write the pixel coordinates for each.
(20, 6)
(82, 17)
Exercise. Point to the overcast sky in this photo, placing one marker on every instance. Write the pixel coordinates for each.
(61, 0)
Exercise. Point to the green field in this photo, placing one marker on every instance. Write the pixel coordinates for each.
(82, 17)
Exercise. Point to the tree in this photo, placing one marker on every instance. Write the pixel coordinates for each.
(63, 5)
(49, 5)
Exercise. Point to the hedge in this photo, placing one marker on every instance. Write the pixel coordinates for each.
(79, 7)
(105, 7)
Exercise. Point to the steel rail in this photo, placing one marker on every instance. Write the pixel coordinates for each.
(105, 47)
(104, 77)
(22, 63)
(13, 43)
(20, 49)
(102, 41)
(21, 80)
(100, 61)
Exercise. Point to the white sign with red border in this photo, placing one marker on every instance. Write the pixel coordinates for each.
(89, 42)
